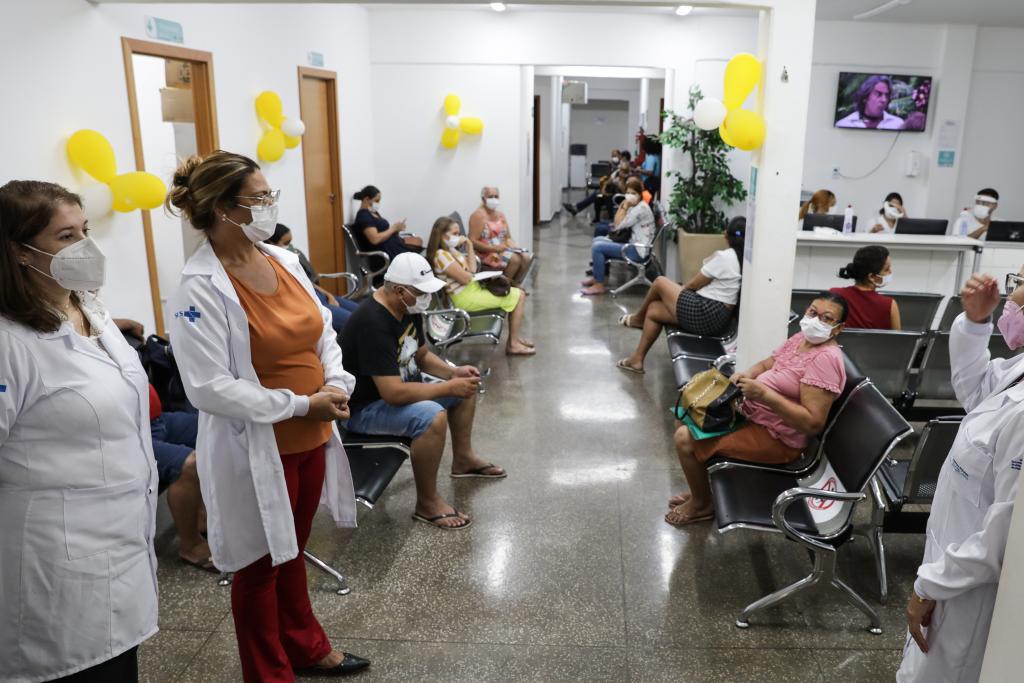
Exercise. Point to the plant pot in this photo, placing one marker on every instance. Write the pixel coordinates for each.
(693, 249)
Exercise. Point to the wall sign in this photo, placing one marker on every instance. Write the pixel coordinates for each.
(946, 158)
(315, 58)
(165, 29)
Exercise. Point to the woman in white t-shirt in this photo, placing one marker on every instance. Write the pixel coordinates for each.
(458, 270)
(891, 211)
(704, 305)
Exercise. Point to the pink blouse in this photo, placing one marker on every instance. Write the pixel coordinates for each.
(819, 366)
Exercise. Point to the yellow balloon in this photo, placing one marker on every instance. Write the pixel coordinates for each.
(472, 125)
(292, 141)
(137, 190)
(746, 128)
(271, 145)
(742, 73)
(450, 138)
(269, 108)
(726, 138)
(452, 104)
(90, 151)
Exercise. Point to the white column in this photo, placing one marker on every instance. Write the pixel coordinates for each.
(782, 100)
(955, 68)
(526, 160)
(555, 160)
(645, 94)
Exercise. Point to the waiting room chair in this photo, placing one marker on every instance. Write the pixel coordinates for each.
(648, 256)
(934, 380)
(908, 482)
(814, 510)
(917, 309)
(955, 307)
(367, 269)
(353, 283)
(446, 325)
(886, 357)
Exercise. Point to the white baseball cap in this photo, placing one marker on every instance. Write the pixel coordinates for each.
(413, 270)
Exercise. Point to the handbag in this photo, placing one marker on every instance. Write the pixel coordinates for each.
(710, 402)
(498, 286)
(620, 236)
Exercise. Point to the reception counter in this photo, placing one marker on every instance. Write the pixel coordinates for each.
(920, 263)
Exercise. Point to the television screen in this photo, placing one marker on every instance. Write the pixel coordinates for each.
(882, 101)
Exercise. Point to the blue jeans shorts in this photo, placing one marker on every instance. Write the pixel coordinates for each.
(174, 439)
(410, 420)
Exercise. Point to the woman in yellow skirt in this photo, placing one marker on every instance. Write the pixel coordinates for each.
(458, 269)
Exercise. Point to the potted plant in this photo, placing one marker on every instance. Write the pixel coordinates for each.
(701, 190)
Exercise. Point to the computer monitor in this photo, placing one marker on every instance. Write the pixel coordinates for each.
(921, 226)
(1005, 231)
(826, 220)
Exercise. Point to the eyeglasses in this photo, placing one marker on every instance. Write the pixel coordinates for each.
(1013, 280)
(268, 198)
(826, 318)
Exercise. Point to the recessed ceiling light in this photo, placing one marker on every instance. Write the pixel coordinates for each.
(683, 10)
(498, 6)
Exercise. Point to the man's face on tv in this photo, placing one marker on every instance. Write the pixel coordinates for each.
(877, 101)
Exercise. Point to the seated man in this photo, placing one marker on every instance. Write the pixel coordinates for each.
(384, 347)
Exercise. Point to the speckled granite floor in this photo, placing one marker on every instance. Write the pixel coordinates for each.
(569, 572)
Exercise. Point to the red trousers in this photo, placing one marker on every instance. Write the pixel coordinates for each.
(274, 621)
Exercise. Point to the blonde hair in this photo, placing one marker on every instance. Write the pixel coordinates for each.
(818, 201)
(201, 184)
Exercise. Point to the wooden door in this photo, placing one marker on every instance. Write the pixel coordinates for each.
(318, 104)
(536, 159)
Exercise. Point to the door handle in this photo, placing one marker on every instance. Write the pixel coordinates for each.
(330, 197)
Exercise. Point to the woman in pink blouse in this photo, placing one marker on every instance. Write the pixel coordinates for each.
(787, 398)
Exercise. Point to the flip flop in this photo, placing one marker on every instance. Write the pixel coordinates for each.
(624, 321)
(676, 501)
(589, 291)
(206, 565)
(433, 521)
(479, 473)
(530, 351)
(621, 365)
(690, 520)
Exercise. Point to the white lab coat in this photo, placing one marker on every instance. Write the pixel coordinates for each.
(239, 466)
(971, 511)
(78, 490)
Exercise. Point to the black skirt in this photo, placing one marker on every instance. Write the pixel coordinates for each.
(699, 315)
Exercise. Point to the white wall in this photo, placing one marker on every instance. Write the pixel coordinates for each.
(69, 58)
(601, 125)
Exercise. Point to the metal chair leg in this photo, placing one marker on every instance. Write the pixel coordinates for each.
(743, 621)
(343, 588)
(225, 579)
(639, 279)
(875, 535)
(859, 603)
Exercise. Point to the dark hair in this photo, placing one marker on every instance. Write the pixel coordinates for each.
(888, 198)
(26, 208)
(735, 233)
(625, 155)
(279, 232)
(837, 299)
(865, 89)
(368, 192)
(867, 261)
(652, 146)
(202, 184)
(990, 192)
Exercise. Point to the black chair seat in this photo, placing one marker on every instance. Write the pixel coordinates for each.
(374, 461)
(745, 497)
(893, 476)
(684, 368)
(694, 346)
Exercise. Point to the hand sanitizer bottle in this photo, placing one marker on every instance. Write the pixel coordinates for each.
(963, 223)
(848, 219)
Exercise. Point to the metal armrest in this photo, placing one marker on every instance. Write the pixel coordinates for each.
(351, 278)
(790, 496)
(451, 313)
(374, 273)
(640, 248)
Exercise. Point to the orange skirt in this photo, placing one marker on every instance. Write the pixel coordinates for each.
(751, 442)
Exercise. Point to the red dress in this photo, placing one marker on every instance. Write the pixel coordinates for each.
(868, 309)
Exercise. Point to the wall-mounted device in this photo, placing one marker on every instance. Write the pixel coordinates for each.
(912, 168)
(574, 92)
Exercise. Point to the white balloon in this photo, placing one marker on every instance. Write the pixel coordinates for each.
(451, 122)
(97, 200)
(293, 127)
(709, 113)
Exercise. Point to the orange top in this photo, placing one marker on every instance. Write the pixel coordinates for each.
(284, 330)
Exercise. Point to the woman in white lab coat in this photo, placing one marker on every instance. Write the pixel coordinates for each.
(260, 360)
(951, 607)
(78, 483)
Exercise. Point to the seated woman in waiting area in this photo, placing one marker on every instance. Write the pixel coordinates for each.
(871, 269)
(788, 397)
(704, 305)
(457, 268)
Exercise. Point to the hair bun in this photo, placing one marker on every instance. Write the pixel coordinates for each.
(846, 272)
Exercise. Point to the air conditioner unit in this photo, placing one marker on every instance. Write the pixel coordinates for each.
(574, 92)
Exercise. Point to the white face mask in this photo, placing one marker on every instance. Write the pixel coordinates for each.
(632, 198)
(492, 203)
(886, 281)
(264, 221)
(421, 305)
(78, 267)
(453, 241)
(891, 211)
(981, 211)
(615, 160)
(375, 207)
(815, 331)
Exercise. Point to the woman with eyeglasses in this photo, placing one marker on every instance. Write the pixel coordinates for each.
(950, 609)
(786, 399)
(260, 360)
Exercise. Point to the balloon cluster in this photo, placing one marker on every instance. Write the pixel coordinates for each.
(738, 127)
(470, 125)
(279, 133)
(91, 152)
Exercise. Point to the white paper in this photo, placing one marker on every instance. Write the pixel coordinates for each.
(487, 275)
(949, 134)
(821, 509)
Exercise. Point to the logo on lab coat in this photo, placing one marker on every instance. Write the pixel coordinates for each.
(958, 469)
(192, 314)
(3, 388)
(1014, 464)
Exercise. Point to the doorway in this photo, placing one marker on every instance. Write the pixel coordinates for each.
(318, 107)
(536, 159)
(173, 116)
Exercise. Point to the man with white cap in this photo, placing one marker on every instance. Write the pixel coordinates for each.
(985, 203)
(384, 347)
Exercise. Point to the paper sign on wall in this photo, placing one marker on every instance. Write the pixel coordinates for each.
(946, 158)
(164, 29)
(315, 58)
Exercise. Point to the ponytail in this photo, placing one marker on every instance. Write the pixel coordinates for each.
(735, 234)
(368, 192)
(867, 261)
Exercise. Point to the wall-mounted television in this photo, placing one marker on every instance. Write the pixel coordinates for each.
(876, 101)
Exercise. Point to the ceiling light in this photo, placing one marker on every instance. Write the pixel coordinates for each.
(498, 6)
(683, 10)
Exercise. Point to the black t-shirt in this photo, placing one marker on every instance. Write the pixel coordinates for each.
(373, 344)
(392, 246)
